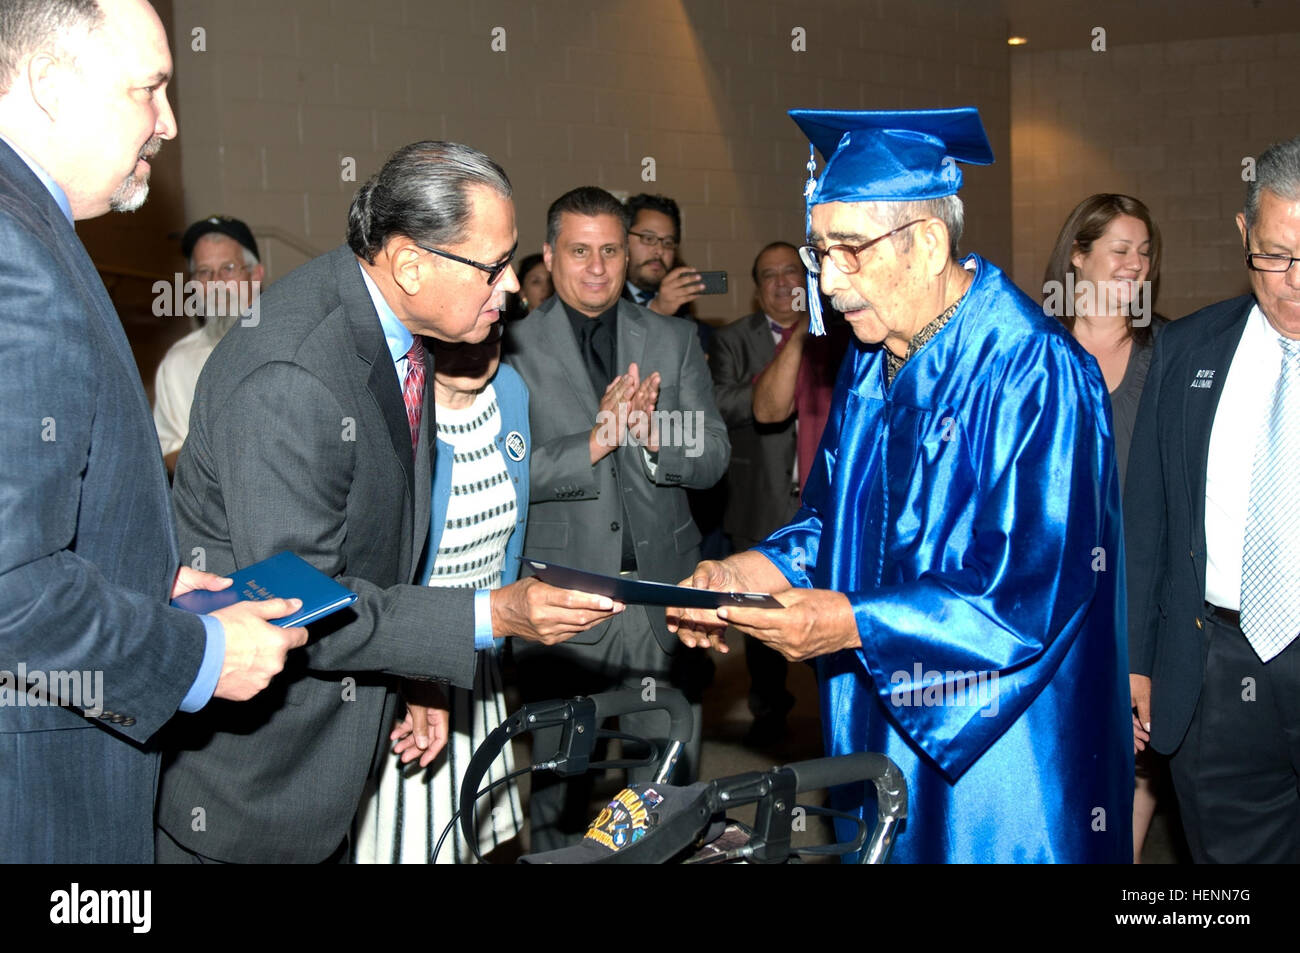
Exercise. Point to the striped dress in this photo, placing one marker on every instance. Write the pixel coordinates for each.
(402, 818)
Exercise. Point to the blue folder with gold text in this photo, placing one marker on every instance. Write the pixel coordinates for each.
(283, 576)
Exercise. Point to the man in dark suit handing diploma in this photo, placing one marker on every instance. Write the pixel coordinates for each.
(313, 431)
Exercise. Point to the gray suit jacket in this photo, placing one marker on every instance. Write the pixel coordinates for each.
(576, 512)
(762, 455)
(299, 440)
(87, 551)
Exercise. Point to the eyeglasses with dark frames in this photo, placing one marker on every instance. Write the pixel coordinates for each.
(654, 241)
(494, 272)
(844, 257)
(1257, 261)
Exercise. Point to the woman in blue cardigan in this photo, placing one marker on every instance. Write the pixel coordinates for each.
(476, 534)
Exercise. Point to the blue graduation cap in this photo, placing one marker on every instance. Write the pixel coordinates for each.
(887, 155)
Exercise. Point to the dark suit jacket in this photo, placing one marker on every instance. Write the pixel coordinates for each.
(299, 440)
(762, 455)
(87, 550)
(1164, 510)
(577, 509)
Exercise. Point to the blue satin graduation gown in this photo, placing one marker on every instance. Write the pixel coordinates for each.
(971, 513)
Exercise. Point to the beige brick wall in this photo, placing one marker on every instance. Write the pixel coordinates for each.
(1169, 123)
(286, 89)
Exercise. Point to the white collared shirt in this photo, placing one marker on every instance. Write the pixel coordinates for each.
(1240, 417)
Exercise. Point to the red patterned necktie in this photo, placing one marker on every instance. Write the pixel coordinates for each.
(413, 389)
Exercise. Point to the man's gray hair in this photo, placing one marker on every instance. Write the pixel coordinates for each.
(1278, 170)
(948, 210)
(28, 25)
(421, 193)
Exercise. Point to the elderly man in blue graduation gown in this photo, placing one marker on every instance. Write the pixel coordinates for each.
(956, 569)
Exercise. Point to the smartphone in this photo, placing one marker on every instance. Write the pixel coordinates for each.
(715, 282)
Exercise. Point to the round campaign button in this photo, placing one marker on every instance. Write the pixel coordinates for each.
(515, 445)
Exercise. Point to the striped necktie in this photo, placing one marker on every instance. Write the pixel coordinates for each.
(1270, 564)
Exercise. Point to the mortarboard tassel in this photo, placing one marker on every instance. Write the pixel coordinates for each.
(815, 324)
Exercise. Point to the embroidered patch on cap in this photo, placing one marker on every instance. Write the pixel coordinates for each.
(624, 820)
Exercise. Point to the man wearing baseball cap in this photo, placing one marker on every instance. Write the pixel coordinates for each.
(223, 260)
(955, 568)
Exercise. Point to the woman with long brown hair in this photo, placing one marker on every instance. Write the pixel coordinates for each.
(1101, 283)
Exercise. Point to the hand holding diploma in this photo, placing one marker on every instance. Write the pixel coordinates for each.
(187, 580)
(704, 627)
(256, 648)
(533, 610)
(812, 622)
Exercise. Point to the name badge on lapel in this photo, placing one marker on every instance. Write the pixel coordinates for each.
(1204, 379)
(515, 445)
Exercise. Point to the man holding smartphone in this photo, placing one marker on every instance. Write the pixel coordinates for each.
(652, 281)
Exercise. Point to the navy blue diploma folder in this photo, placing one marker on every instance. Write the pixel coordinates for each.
(283, 576)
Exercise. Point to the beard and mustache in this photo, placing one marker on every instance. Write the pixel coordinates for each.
(225, 305)
(130, 195)
(215, 326)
